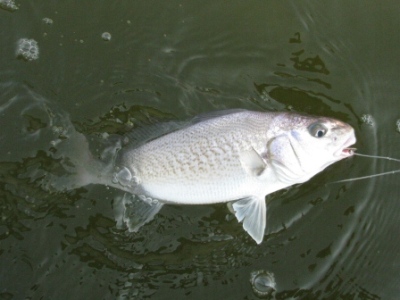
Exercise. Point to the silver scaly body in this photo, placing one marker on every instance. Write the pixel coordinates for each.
(204, 163)
(235, 156)
(239, 156)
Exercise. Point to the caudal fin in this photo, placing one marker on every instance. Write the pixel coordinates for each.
(73, 164)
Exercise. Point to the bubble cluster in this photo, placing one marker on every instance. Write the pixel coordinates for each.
(368, 119)
(8, 5)
(106, 36)
(27, 49)
(398, 125)
(263, 283)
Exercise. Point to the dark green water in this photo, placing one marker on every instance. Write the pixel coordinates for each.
(176, 59)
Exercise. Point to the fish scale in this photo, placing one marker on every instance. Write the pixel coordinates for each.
(193, 163)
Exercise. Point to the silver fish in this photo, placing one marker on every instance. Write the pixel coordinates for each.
(236, 156)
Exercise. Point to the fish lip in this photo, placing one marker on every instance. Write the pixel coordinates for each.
(344, 150)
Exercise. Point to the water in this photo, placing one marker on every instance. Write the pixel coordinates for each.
(173, 60)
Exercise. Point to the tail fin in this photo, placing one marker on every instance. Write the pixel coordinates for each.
(74, 164)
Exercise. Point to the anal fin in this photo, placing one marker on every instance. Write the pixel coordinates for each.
(252, 211)
(134, 212)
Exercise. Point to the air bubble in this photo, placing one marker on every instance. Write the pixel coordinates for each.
(8, 5)
(54, 143)
(263, 283)
(398, 125)
(27, 49)
(148, 200)
(169, 50)
(106, 36)
(125, 140)
(47, 21)
(368, 119)
(123, 177)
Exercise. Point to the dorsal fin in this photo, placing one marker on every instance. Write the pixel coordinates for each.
(142, 135)
(146, 133)
(215, 114)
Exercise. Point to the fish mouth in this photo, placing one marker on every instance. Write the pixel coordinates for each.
(345, 150)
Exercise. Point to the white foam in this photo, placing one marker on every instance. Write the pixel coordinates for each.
(27, 49)
(47, 21)
(368, 119)
(8, 5)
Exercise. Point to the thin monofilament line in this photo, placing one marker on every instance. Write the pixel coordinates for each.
(371, 176)
(366, 177)
(375, 156)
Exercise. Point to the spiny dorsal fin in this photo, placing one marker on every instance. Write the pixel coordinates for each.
(215, 114)
(145, 134)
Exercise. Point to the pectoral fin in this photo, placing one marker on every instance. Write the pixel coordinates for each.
(134, 212)
(252, 211)
(252, 162)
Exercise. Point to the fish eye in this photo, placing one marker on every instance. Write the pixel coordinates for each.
(317, 130)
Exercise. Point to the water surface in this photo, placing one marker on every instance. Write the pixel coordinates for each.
(173, 60)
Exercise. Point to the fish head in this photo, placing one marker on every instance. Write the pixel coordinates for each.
(307, 145)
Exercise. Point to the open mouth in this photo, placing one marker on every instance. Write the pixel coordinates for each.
(349, 151)
(346, 150)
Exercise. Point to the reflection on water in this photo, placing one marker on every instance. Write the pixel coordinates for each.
(165, 62)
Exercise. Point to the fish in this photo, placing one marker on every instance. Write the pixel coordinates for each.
(235, 156)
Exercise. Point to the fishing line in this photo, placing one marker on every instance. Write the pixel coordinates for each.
(370, 176)
(366, 177)
(378, 157)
